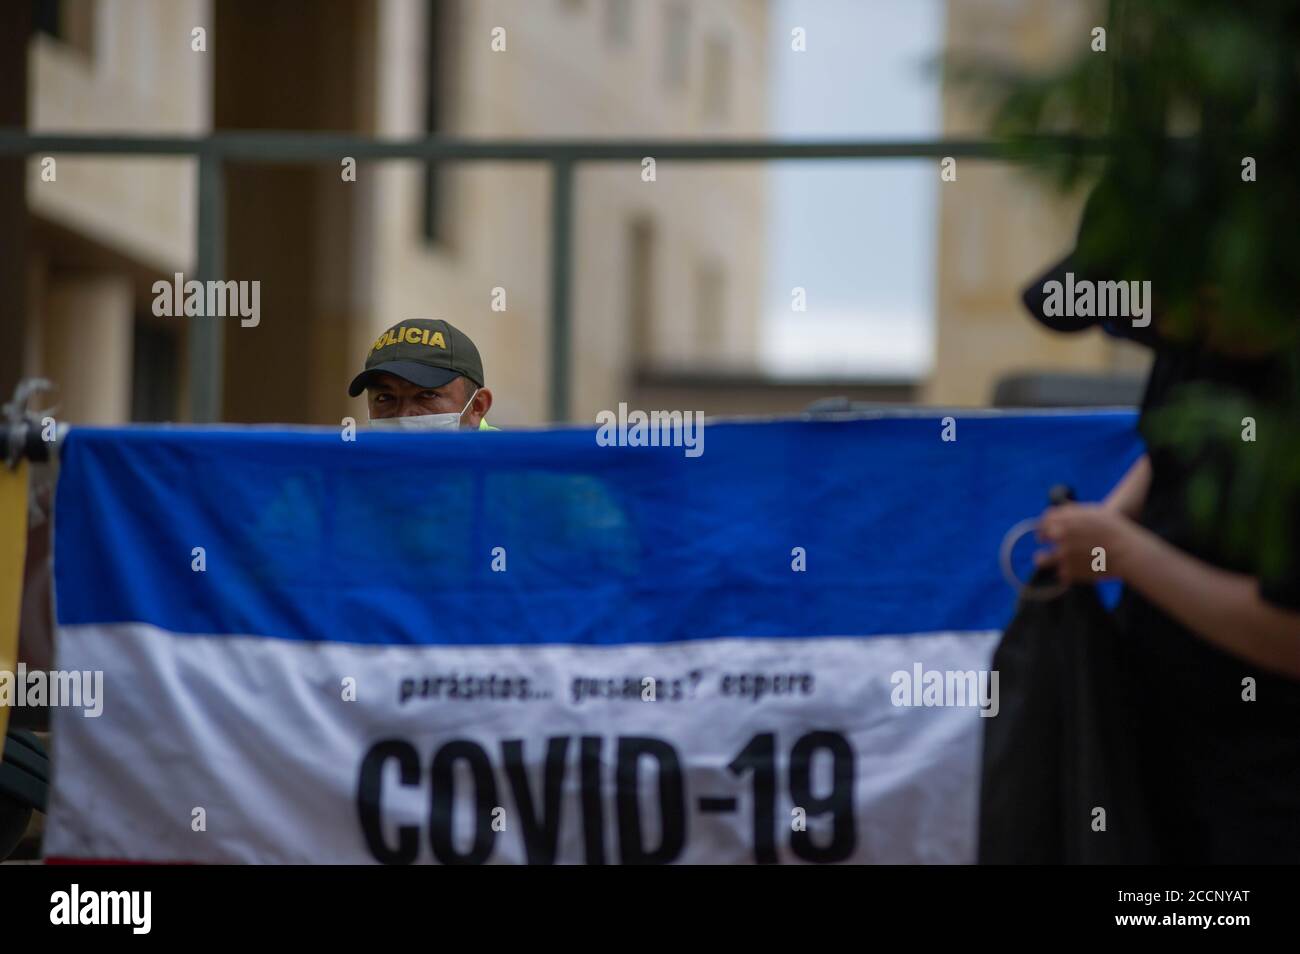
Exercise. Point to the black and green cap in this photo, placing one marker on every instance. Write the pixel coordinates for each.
(429, 352)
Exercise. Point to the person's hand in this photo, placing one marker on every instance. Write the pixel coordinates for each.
(1085, 542)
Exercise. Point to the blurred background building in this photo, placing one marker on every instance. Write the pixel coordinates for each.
(669, 276)
(339, 261)
(999, 229)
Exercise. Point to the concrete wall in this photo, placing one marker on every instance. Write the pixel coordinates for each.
(104, 227)
(340, 261)
(999, 227)
(143, 77)
(561, 75)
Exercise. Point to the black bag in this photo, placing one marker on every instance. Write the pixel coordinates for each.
(24, 786)
(1062, 744)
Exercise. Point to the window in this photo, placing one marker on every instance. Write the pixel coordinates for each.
(676, 44)
(717, 79)
(640, 287)
(68, 21)
(155, 383)
(618, 22)
(710, 310)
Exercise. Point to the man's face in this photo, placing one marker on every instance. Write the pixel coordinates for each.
(391, 396)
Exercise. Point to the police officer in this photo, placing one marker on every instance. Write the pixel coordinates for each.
(424, 375)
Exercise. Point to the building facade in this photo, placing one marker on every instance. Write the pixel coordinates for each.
(667, 271)
(999, 228)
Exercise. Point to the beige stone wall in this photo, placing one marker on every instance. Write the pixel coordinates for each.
(561, 76)
(87, 348)
(999, 227)
(142, 78)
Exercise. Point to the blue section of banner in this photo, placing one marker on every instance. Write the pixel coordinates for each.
(401, 538)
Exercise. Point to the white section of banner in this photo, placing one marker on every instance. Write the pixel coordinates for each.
(257, 739)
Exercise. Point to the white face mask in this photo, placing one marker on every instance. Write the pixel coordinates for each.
(447, 421)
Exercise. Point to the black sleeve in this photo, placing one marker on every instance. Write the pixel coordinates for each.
(1284, 594)
(1283, 589)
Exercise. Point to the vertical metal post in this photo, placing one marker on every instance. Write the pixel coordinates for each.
(15, 28)
(561, 270)
(206, 338)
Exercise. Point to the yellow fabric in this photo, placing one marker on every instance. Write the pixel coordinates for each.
(13, 546)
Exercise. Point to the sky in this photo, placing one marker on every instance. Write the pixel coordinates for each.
(857, 235)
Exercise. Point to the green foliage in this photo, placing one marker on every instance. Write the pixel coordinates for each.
(1161, 122)
(1242, 494)
(1184, 92)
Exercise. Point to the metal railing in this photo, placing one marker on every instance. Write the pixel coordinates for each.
(563, 156)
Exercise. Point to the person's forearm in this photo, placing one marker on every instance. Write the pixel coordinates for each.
(1128, 496)
(1222, 607)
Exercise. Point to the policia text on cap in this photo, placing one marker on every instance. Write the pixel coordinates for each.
(424, 375)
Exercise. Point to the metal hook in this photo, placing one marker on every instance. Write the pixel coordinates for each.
(1023, 589)
(22, 431)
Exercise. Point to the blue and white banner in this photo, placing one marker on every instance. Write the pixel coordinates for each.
(532, 647)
